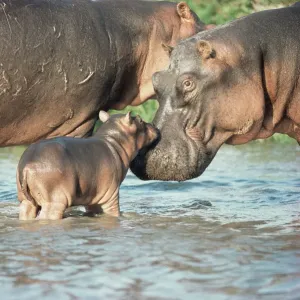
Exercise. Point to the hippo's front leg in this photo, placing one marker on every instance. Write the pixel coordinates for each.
(111, 206)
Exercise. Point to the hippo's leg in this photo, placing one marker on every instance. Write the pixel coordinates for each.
(111, 207)
(52, 211)
(28, 211)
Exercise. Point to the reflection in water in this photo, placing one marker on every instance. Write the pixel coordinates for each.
(231, 234)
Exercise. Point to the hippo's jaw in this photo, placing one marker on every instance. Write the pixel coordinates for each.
(152, 165)
(181, 153)
(172, 158)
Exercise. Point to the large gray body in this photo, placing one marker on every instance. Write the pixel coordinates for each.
(61, 61)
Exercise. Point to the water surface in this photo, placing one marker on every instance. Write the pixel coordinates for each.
(231, 234)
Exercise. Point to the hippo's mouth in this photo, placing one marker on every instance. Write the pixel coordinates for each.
(172, 157)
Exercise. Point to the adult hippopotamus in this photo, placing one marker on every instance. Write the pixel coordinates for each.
(233, 84)
(61, 61)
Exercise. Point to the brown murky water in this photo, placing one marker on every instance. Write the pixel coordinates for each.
(169, 243)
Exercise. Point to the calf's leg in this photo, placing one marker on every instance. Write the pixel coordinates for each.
(28, 211)
(52, 211)
(111, 207)
(54, 204)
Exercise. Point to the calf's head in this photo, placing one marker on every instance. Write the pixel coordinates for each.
(211, 94)
(127, 129)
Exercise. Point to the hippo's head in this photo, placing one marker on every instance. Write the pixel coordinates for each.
(123, 128)
(211, 94)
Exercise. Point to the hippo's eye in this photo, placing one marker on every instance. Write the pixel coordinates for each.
(188, 85)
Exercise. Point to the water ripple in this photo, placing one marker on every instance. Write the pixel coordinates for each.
(231, 234)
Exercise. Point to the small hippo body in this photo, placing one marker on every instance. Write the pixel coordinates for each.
(58, 173)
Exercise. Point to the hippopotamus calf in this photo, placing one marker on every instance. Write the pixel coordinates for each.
(61, 172)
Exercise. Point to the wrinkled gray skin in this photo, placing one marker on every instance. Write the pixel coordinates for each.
(61, 61)
(61, 172)
(232, 84)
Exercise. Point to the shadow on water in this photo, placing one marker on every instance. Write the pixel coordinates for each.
(231, 234)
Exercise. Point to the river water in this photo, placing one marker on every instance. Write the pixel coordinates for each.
(233, 233)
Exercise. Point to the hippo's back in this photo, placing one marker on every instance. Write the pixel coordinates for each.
(67, 155)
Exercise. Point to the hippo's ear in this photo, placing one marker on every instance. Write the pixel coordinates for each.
(103, 116)
(206, 50)
(167, 48)
(128, 118)
(184, 11)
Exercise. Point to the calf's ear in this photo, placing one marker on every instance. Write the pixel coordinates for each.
(205, 49)
(184, 11)
(103, 116)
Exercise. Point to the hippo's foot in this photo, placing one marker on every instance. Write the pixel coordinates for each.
(52, 211)
(28, 211)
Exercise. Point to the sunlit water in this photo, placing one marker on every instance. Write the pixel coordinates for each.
(169, 243)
